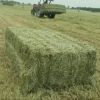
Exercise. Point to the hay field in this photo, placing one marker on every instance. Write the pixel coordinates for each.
(79, 24)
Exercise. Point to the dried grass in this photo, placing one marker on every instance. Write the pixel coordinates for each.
(49, 59)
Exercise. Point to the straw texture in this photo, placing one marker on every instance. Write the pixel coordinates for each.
(49, 59)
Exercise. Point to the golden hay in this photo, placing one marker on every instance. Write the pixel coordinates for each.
(49, 59)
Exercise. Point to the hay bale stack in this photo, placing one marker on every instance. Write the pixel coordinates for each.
(49, 59)
(55, 8)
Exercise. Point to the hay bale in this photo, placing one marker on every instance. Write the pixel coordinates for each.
(55, 8)
(51, 59)
(19, 69)
(15, 60)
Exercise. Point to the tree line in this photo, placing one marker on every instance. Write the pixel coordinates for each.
(12, 3)
(9, 2)
(87, 9)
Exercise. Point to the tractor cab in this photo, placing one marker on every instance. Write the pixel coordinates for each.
(47, 1)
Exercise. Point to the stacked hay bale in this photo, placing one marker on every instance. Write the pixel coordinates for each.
(49, 59)
(55, 8)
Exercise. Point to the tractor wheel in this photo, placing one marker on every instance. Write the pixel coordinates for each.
(51, 16)
(35, 14)
(32, 12)
(39, 14)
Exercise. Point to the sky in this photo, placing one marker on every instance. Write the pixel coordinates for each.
(71, 3)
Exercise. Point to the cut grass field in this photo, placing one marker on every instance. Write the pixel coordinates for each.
(78, 24)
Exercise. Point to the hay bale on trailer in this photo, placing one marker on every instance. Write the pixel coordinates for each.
(50, 59)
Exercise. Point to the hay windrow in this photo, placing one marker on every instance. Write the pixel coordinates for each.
(50, 58)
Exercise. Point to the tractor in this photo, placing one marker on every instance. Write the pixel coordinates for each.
(46, 8)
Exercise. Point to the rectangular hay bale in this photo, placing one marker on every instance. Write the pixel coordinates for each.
(51, 58)
(19, 69)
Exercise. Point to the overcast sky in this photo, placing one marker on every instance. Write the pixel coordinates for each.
(80, 3)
